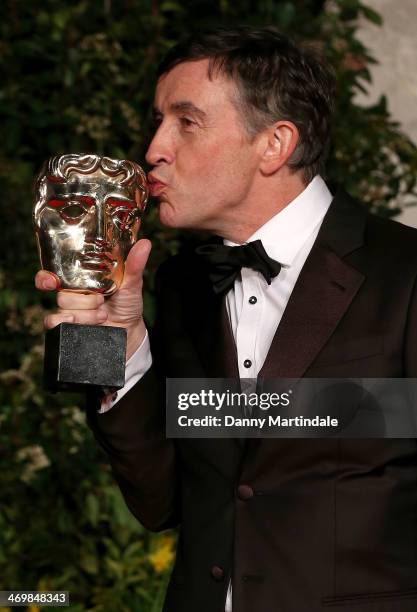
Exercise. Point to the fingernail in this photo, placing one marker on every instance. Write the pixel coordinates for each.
(49, 284)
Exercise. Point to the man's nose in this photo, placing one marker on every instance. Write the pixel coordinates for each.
(161, 147)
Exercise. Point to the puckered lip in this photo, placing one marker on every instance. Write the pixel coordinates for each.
(156, 186)
(154, 179)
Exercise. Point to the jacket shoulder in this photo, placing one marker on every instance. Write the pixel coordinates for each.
(395, 238)
(351, 223)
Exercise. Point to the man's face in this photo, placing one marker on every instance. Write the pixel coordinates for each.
(204, 164)
(85, 229)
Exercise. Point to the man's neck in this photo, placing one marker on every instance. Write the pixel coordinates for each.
(246, 221)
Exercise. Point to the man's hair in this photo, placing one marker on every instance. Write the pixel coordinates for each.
(276, 79)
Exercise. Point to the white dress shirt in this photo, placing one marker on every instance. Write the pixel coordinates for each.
(288, 238)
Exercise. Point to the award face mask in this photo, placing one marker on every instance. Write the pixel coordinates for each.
(87, 216)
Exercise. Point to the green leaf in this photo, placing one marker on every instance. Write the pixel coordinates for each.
(89, 563)
(92, 509)
(372, 15)
(159, 599)
(115, 568)
(171, 6)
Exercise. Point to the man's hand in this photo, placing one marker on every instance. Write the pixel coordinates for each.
(123, 309)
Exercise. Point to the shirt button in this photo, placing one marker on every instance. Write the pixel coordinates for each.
(217, 573)
(253, 299)
(244, 492)
(247, 363)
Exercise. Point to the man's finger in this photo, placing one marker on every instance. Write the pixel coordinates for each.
(136, 262)
(79, 301)
(46, 281)
(83, 317)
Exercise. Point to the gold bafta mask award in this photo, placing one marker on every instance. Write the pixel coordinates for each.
(87, 216)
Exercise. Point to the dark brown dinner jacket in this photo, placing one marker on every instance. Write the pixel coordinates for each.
(321, 524)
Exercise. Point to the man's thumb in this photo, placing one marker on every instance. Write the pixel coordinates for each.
(136, 262)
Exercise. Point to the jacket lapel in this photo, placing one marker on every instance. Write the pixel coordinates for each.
(324, 290)
(219, 348)
(209, 322)
(214, 342)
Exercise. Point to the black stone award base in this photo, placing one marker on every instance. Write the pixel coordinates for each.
(78, 357)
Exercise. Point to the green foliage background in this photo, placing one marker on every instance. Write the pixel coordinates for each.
(79, 76)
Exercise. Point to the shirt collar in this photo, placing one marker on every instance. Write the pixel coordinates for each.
(286, 232)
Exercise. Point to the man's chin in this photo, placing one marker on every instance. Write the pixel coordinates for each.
(170, 217)
(167, 215)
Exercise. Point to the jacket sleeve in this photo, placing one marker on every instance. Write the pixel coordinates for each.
(143, 460)
(132, 434)
(410, 352)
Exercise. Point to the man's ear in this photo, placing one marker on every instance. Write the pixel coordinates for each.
(281, 140)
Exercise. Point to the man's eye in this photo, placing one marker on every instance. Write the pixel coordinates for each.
(186, 122)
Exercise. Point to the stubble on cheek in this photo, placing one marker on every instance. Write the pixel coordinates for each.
(165, 212)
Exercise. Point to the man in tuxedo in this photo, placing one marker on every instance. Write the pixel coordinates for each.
(269, 525)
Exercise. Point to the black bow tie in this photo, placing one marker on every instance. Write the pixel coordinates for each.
(225, 262)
